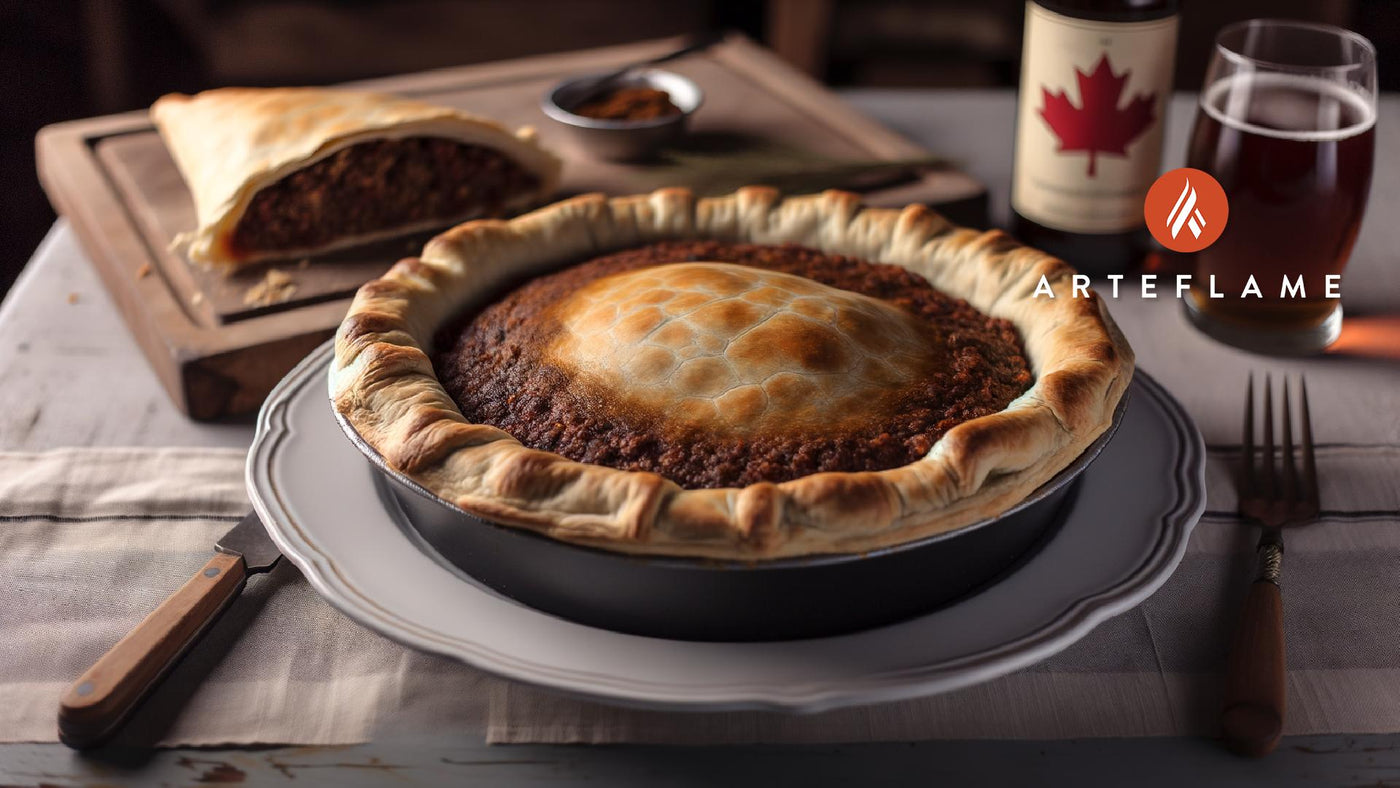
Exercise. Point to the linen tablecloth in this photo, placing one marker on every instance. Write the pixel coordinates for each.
(92, 539)
(284, 667)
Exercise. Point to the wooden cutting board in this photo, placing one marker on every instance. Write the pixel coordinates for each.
(218, 355)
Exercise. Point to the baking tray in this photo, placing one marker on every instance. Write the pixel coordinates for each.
(702, 599)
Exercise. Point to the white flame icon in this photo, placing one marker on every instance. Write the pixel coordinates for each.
(1186, 213)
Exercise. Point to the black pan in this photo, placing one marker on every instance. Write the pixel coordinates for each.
(698, 599)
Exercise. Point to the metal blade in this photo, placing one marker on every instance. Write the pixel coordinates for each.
(250, 540)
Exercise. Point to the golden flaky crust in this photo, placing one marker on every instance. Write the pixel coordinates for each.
(722, 348)
(382, 382)
(231, 142)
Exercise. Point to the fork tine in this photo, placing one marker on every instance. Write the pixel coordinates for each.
(1267, 465)
(1309, 460)
(1247, 442)
(1290, 468)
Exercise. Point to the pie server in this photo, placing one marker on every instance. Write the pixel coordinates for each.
(101, 699)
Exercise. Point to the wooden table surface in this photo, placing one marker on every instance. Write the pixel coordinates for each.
(73, 376)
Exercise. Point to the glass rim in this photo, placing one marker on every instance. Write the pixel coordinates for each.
(1368, 48)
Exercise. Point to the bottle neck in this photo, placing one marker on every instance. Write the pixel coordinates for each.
(1112, 10)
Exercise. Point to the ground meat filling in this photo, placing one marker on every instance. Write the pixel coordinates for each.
(380, 185)
(490, 362)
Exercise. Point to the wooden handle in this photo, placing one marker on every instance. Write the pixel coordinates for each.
(1255, 686)
(102, 698)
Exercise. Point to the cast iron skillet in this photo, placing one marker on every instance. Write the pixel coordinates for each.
(698, 599)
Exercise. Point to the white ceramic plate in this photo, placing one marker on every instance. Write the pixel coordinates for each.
(1126, 532)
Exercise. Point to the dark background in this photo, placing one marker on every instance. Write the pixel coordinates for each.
(64, 59)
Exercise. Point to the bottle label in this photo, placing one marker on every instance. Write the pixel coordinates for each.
(1089, 119)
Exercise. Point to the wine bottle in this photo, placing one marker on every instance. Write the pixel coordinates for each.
(1096, 78)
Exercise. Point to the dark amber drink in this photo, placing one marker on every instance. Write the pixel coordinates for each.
(1293, 146)
(1295, 160)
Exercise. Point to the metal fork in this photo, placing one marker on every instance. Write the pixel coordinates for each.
(1255, 689)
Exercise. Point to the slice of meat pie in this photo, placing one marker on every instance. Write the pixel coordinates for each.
(285, 172)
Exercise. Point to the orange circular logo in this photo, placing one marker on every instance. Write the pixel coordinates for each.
(1186, 210)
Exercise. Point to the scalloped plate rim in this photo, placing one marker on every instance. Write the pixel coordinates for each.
(1076, 620)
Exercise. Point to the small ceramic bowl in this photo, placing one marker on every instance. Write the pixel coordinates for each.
(623, 140)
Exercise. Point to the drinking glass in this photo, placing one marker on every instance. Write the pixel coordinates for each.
(1286, 123)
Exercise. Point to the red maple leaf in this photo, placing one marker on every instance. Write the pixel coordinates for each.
(1099, 125)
